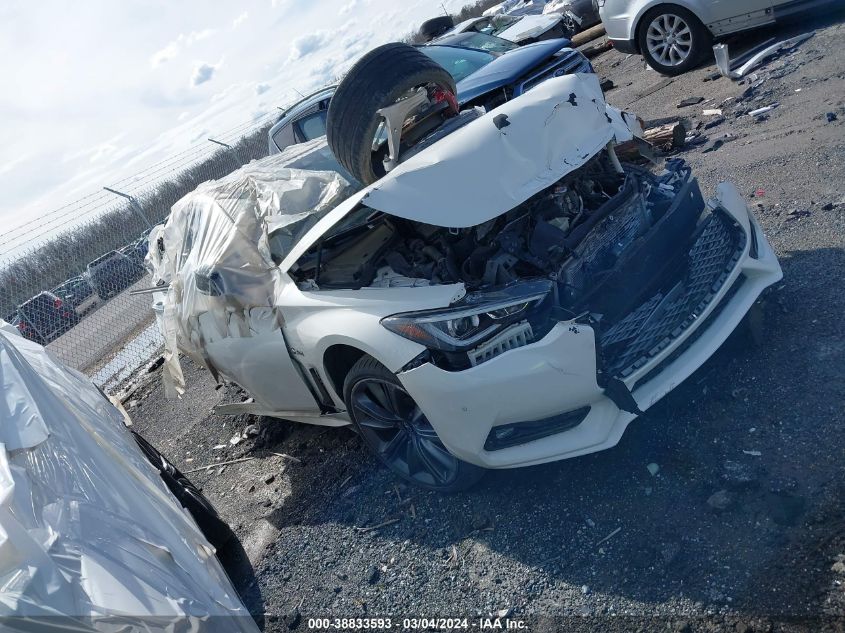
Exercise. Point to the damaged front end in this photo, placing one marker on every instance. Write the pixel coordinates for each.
(634, 255)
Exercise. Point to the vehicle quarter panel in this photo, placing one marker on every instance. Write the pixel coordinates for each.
(316, 320)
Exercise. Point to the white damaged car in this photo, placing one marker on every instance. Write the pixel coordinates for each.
(496, 290)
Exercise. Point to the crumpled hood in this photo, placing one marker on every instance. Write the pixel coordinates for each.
(481, 171)
(507, 68)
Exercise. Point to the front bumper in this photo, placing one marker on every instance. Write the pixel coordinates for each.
(558, 373)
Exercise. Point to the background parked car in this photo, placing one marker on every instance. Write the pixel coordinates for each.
(435, 27)
(488, 80)
(525, 7)
(303, 121)
(676, 37)
(487, 71)
(45, 317)
(578, 15)
(112, 273)
(517, 29)
(77, 294)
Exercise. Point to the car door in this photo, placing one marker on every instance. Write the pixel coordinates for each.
(728, 16)
(228, 308)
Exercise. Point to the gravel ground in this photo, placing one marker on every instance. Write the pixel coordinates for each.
(739, 527)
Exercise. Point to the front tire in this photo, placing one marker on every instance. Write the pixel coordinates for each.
(397, 432)
(673, 40)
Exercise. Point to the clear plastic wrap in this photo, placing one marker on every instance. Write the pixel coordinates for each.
(221, 245)
(90, 536)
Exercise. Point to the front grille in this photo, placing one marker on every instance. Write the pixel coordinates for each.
(701, 329)
(663, 317)
(566, 64)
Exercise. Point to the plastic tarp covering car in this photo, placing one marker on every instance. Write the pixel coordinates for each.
(495, 163)
(220, 248)
(90, 536)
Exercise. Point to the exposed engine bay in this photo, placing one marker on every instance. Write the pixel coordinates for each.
(617, 246)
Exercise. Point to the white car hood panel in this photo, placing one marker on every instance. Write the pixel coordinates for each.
(479, 171)
(529, 26)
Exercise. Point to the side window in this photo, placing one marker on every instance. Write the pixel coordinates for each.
(284, 137)
(312, 126)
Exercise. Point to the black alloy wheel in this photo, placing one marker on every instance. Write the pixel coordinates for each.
(396, 430)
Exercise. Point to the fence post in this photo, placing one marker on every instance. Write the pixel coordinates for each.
(230, 148)
(132, 203)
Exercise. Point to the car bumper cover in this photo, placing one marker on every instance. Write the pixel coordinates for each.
(557, 374)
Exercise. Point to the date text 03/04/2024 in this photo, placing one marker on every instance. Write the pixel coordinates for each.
(385, 624)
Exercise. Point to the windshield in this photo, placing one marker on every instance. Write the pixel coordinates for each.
(479, 41)
(501, 23)
(459, 62)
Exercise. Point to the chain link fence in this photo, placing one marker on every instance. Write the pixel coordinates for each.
(66, 277)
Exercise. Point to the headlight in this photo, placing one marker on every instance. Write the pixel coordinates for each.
(478, 317)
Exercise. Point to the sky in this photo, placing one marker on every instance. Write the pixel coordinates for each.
(95, 91)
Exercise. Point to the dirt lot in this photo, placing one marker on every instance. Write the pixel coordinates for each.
(739, 528)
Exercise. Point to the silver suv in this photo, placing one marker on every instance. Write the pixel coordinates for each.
(675, 37)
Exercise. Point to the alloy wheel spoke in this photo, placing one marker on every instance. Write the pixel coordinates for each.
(375, 416)
(412, 456)
(381, 394)
(438, 462)
(391, 449)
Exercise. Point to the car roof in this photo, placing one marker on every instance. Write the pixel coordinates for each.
(301, 106)
(50, 295)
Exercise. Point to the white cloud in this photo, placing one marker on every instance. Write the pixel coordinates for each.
(165, 54)
(349, 6)
(240, 20)
(174, 48)
(309, 43)
(260, 89)
(78, 45)
(202, 73)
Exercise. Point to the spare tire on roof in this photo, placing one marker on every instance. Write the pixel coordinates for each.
(436, 26)
(379, 79)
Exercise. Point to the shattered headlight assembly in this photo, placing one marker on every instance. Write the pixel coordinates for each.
(478, 317)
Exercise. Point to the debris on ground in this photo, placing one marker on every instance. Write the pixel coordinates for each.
(714, 122)
(723, 62)
(690, 101)
(208, 467)
(712, 112)
(796, 214)
(764, 109)
(609, 536)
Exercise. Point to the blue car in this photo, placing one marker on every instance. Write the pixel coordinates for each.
(487, 70)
